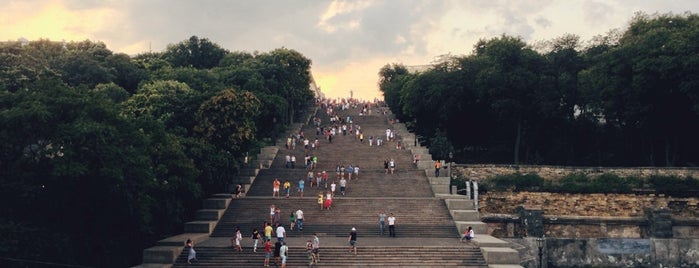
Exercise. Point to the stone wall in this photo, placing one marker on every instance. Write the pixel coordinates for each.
(600, 205)
(589, 215)
(476, 172)
(604, 252)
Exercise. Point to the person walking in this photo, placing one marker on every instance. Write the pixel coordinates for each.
(292, 220)
(287, 188)
(284, 253)
(343, 186)
(320, 200)
(268, 252)
(302, 184)
(316, 247)
(281, 232)
(392, 225)
(255, 239)
(268, 232)
(299, 219)
(192, 254)
(382, 222)
(275, 187)
(437, 167)
(237, 239)
(277, 252)
(353, 241)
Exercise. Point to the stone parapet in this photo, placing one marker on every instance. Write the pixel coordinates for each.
(553, 172)
(599, 205)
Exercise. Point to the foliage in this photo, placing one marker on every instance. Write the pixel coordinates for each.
(583, 183)
(628, 98)
(514, 182)
(195, 52)
(674, 186)
(227, 119)
(106, 150)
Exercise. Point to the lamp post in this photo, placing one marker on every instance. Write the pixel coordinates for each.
(540, 244)
(451, 156)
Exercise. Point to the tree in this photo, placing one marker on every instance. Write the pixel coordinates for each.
(194, 52)
(287, 74)
(227, 119)
(59, 139)
(510, 80)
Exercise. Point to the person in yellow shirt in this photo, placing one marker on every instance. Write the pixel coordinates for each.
(287, 188)
(320, 200)
(268, 232)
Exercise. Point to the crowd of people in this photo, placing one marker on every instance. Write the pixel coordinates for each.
(320, 180)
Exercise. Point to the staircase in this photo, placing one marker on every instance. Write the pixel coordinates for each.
(428, 223)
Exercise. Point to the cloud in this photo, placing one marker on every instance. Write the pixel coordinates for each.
(348, 41)
(596, 13)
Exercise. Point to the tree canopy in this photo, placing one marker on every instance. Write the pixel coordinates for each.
(628, 98)
(102, 150)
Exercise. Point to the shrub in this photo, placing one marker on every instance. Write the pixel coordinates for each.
(516, 182)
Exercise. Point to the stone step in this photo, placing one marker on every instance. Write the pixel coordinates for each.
(421, 204)
(339, 257)
(489, 241)
(500, 255)
(465, 215)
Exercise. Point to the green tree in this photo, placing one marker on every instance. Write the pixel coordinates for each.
(227, 119)
(510, 81)
(287, 74)
(194, 52)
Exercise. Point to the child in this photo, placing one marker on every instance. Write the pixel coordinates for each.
(468, 234)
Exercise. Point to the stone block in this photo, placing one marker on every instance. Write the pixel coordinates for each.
(264, 163)
(216, 203)
(180, 239)
(161, 254)
(461, 203)
(505, 266)
(200, 227)
(465, 215)
(500, 255)
(244, 180)
(269, 152)
(439, 180)
(248, 172)
(209, 214)
(440, 188)
(490, 241)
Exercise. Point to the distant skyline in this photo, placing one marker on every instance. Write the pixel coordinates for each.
(348, 41)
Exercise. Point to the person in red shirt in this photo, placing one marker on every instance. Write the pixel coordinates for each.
(268, 252)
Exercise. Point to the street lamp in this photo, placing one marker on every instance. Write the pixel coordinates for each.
(540, 244)
(451, 156)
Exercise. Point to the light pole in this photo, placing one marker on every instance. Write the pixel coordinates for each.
(451, 156)
(540, 244)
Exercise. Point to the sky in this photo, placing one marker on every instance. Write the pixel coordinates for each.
(347, 41)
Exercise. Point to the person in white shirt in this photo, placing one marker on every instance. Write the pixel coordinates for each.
(391, 225)
(299, 219)
(284, 252)
(281, 233)
(468, 234)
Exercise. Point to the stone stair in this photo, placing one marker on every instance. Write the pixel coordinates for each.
(429, 219)
(339, 257)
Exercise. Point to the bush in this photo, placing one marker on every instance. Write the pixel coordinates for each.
(516, 182)
(674, 186)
